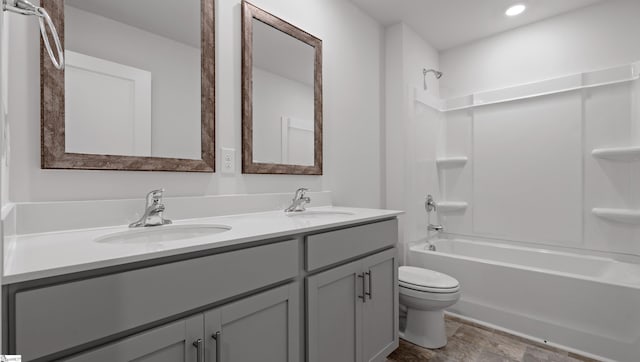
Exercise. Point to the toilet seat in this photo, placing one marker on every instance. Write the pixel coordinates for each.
(426, 281)
(426, 296)
(424, 289)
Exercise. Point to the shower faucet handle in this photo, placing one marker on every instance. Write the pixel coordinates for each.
(430, 204)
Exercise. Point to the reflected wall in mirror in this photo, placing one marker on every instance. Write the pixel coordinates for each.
(282, 96)
(137, 92)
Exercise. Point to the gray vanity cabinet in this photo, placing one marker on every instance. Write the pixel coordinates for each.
(380, 312)
(262, 328)
(334, 315)
(239, 305)
(176, 342)
(353, 310)
(95, 308)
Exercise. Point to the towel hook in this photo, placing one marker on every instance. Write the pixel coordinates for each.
(25, 7)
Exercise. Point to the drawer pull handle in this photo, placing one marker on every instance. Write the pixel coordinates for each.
(199, 350)
(218, 338)
(364, 291)
(370, 292)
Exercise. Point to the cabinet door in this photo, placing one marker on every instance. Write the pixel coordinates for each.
(175, 342)
(260, 328)
(380, 311)
(334, 314)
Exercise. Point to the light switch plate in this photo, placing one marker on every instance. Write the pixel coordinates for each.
(228, 160)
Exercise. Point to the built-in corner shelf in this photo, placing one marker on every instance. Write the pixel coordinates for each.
(618, 153)
(451, 162)
(627, 216)
(451, 206)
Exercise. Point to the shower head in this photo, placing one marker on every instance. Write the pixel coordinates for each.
(425, 71)
(437, 73)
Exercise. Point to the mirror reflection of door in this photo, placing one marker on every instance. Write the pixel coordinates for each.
(283, 97)
(141, 61)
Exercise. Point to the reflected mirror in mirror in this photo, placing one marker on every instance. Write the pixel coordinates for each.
(133, 78)
(283, 97)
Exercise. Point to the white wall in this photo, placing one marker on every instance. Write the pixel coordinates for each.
(353, 48)
(598, 36)
(175, 75)
(412, 131)
(419, 55)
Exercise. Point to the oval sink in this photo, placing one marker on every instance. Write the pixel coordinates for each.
(319, 213)
(167, 233)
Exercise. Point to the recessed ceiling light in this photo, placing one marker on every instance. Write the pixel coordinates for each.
(515, 10)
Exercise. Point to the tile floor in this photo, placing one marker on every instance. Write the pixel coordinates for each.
(469, 342)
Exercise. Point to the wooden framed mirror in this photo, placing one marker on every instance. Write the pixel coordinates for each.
(138, 89)
(281, 96)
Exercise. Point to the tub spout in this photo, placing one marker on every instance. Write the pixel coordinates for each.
(437, 228)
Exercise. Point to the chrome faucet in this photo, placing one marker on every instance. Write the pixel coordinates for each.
(299, 201)
(153, 212)
(437, 228)
(431, 206)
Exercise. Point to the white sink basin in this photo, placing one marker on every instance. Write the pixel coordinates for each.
(319, 213)
(159, 234)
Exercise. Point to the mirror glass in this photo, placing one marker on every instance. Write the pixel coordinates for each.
(140, 61)
(283, 97)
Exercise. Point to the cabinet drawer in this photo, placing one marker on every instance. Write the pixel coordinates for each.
(335, 246)
(55, 318)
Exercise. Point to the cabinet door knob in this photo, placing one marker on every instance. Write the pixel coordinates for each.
(218, 338)
(370, 292)
(364, 289)
(199, 350)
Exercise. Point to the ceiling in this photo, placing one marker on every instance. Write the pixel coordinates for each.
(176, 20)
(448, 23)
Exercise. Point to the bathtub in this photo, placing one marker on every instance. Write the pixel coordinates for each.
(585, 304)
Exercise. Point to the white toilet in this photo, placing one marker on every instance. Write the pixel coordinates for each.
(426, 293)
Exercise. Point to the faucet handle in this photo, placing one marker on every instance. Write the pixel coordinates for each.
(155, 196)
(300, 193)
(430, 205)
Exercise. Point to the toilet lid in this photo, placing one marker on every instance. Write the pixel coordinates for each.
(420, 278)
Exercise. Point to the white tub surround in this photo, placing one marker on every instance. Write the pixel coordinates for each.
(598, 78)
(588, 124)
(33, 256)
(586, 304)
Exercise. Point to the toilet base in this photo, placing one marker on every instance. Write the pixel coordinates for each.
(425, 328)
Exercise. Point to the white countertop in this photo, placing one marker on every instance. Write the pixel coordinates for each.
(35, 256)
